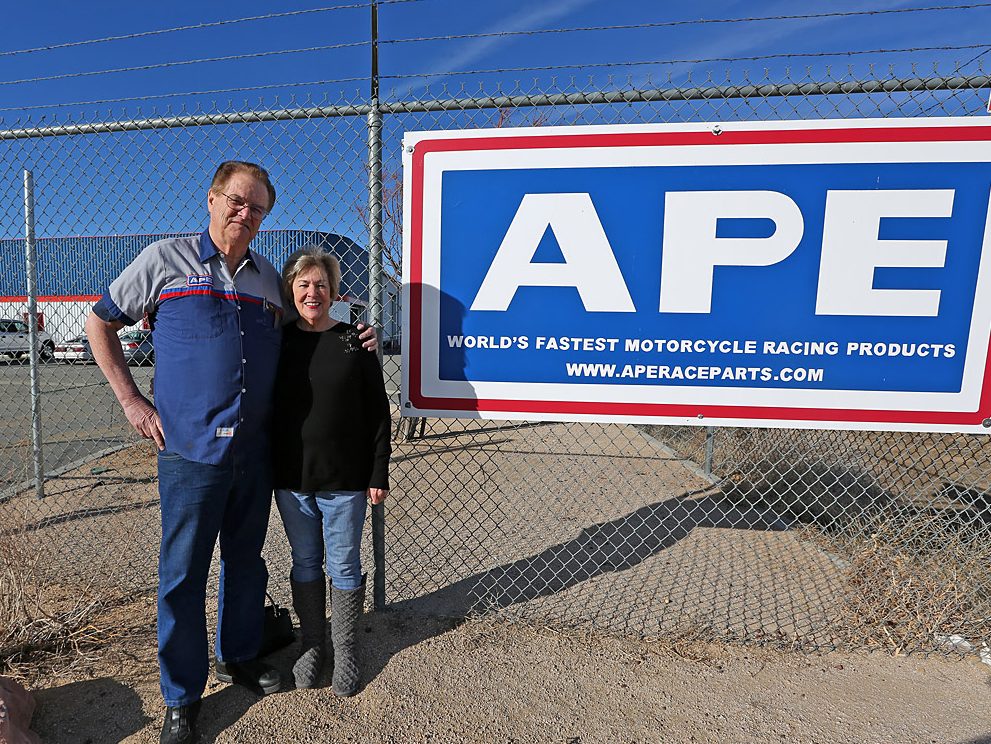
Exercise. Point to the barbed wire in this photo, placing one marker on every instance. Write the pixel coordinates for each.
(969, 62)
(197, 26)
(176, 94)
(253, 88)
(754, 58)
(975, 57)
(352, 6)
(180, 63)
(692, 22)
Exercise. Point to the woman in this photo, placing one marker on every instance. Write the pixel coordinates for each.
(331, 452)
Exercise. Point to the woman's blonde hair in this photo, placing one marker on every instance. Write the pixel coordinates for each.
(307, 258)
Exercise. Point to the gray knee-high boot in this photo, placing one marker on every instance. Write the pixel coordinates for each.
(309, 599)
(347, 607)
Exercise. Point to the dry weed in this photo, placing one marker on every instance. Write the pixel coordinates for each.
(914, 581)
(45, 630)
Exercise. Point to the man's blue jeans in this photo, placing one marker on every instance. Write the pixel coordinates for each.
(199, 503)
(319, 521)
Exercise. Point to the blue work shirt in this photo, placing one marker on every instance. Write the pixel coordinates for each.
(216, 338)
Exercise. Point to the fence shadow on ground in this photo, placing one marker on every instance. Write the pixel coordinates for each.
(608, 547)
(89, 513)
(612, 546)
(845, 501)
(810, 493)
(845, 507)
(913, 561)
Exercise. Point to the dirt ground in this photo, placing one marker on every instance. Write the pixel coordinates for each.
(434, 680)
(533, 527)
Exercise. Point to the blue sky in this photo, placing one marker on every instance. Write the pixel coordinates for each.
(43, 24)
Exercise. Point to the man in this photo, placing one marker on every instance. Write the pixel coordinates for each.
(216, 310)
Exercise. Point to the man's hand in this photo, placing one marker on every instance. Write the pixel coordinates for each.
(377, 495)
(368, 337)
(107, 352)
(144, 418)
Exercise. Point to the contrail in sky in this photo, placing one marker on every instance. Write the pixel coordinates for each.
(524, 20)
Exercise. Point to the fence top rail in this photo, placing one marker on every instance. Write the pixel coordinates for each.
(186, 120)
(714, 92)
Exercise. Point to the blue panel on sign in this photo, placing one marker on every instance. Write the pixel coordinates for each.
(762, 324)
(548, 250)
(744, 227)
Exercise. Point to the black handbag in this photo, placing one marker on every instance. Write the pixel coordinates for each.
(277, 632)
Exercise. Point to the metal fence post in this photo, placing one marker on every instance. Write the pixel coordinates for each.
(710, 438)
(375, 279)
(31, 265)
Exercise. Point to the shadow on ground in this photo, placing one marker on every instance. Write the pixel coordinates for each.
(95, 711)
(612, 546)
(608, 547)
(106, 711)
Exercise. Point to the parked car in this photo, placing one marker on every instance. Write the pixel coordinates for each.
(74, 350)
(138, 348)
(15, 340)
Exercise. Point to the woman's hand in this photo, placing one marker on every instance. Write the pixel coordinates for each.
(369, 339)
(377, 495)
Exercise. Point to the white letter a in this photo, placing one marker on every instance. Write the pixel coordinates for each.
(589, 264)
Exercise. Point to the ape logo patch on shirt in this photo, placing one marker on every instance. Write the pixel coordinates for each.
(199, 280)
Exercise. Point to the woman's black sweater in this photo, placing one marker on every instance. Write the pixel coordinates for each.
(331, 420)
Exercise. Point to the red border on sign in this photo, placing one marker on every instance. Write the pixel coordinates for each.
(660, 139)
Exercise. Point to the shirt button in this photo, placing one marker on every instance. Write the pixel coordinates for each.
(238, 307)
(242, 333)
(244, 390)
(244, 361)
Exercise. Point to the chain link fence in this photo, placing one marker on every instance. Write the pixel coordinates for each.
(809, 539)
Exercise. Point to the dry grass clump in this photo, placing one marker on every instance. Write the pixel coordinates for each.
(44, 629)
(916, 581)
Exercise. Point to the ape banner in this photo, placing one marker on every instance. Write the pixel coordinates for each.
(828, 274)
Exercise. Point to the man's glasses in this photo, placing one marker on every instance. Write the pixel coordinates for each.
(236, 203)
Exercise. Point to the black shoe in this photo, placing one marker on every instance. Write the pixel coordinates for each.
(180, 725)
(257, 676)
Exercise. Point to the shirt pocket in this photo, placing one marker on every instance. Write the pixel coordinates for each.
(267, 327)
(206, 319)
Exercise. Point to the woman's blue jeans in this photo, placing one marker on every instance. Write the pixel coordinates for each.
(200, 503)
(324, 523)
